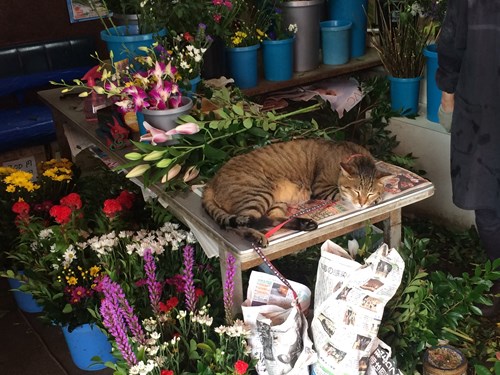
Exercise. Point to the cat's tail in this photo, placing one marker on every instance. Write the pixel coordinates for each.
(221, 216)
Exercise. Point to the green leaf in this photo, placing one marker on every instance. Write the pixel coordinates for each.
(213, 153)
(238, 110)
(204, 347)
(67, 309)
(247, 123)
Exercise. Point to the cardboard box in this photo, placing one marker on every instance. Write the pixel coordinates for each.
(26, 158)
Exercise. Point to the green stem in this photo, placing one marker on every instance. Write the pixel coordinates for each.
(299, 111)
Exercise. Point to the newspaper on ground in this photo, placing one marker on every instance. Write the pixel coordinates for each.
(349, 304)
(279, 339)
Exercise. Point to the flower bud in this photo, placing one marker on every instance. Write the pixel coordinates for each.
(154, 155)
(138, 170)
(163, 163)
(133, 156)
(191, 174)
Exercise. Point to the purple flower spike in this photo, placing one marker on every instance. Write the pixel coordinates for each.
(189, 288)
(154, 286)
(116, 297)
(229, 288)
(115, 325)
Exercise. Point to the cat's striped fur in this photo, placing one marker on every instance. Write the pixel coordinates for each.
(251, 191)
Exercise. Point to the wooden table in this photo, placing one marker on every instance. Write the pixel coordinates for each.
(186, 206)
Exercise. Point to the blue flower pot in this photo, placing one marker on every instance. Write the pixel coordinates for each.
(194, 86)
(335, 41)
(433, 92)
(404, 95)
(278, 59)
(125, 45)
(354, 11)
(24, 300)
(242, 65)
(87, 341)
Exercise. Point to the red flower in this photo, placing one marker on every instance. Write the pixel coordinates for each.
(61, 214)
(188, 37)
(112, 207)
(166, 372)
(21, 208)
(199, 293)
(126, 199)
(169, 304)
(240, 367)
(72, 200)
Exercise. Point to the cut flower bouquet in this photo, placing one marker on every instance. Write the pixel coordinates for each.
(186, 51)
(151, 82)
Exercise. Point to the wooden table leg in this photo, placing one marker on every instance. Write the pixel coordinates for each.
(237, 280)
(392, 229)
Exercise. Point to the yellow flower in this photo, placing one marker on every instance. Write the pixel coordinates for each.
(7, 170)
(94, 270)
(21, 179)
(72, 280)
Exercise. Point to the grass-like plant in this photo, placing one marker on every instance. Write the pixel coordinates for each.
(401, 39)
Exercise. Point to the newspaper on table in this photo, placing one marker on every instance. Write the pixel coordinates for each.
(279, 338)
(348, 308)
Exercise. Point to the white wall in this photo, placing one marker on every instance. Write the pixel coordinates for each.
(430, 143)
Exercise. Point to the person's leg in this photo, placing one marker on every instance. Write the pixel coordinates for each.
(488, 227)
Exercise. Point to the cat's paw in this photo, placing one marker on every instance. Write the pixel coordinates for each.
(306, 224)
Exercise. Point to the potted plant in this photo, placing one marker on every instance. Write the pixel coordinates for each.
(124, 40)
(400, 43)
(435, 12)
(186, 51)
(56, 250)
(247, 31)
(178, 331)
(40, 189)
(277, 48)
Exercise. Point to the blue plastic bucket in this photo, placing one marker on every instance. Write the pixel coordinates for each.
(433, 92)
(404, 95)
(355, 11)
(24, 300)
(278, 59)
(242, 65)
(87, 341)
(127, 46)
(335, 41)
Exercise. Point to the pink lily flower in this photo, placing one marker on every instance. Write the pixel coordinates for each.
(156, 136)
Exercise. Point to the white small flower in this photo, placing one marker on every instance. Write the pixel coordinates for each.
(352, 247)
(69, 254)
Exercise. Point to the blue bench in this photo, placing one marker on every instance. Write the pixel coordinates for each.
(28, 68)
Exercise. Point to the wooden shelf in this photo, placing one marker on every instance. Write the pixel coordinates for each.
(368, 60)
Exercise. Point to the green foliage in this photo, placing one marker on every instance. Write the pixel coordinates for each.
(238, 125)
(432, 306)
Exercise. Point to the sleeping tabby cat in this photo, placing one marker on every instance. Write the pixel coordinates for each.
(251, 192)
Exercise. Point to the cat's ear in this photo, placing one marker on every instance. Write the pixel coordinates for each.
(383, 176)
(347, 169)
